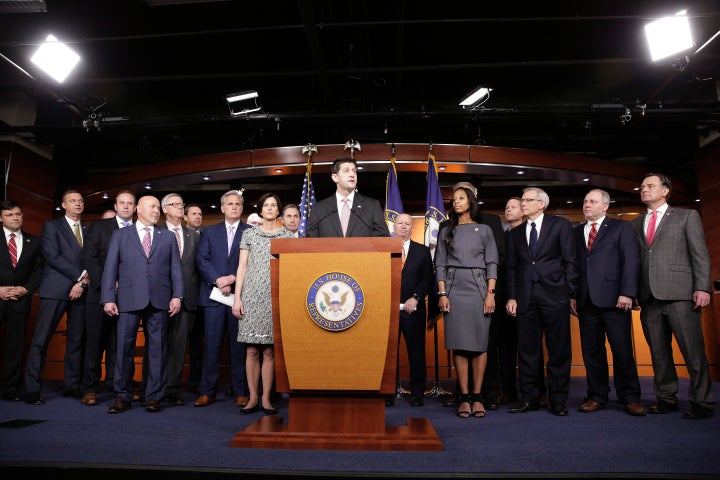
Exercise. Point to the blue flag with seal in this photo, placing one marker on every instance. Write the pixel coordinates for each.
(307, 200)
(434, 208)
(393, 202)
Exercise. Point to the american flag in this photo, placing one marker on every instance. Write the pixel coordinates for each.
(307, 201)
(393, 202)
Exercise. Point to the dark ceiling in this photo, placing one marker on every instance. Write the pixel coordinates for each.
(155, 73)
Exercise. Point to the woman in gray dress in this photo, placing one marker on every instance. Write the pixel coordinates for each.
(253, 303)
(466, 260)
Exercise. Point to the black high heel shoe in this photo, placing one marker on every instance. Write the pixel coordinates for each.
(246, 410)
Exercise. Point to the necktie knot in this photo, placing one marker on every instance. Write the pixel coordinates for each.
(125, 224)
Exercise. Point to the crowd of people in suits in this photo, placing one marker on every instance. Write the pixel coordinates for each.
(503, 291)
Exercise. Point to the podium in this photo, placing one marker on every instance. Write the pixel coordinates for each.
(335, 317)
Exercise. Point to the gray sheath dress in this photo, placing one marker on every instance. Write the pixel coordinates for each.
(465, 265)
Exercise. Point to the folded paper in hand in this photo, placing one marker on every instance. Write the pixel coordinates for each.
(217, 295)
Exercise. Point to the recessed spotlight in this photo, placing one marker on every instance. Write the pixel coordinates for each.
(442, 167)
(278, 170)
(105, 195)
(586, 179)
(612, 201)
(360, 167)
(697, 200)
(58, 208)
(255, 205)
(636, 188)
(568, 202)
(147, 186)
(480, 202)
(213, 206)
(206, 177)
(521, 172)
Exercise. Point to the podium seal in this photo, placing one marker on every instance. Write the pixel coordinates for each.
(335, 301)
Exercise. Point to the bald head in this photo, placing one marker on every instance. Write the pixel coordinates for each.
(403, 226)
(148, 210)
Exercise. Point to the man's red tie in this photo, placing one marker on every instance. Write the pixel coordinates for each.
(12, 249)
(592, 235)
(650, 235)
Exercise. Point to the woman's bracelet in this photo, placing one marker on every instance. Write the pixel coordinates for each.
(442, 294)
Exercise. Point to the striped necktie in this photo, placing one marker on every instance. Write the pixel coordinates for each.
(12, 249)
(592, 235)
(78, 237)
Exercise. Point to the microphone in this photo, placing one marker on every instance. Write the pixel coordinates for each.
(317, 223)
(353, 212)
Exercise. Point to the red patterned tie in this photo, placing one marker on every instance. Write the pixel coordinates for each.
(592, 235)
(650, 235)
(12, 248)
(147, 241)
(177, 237)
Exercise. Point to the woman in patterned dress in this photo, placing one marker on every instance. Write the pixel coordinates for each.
(253, 304)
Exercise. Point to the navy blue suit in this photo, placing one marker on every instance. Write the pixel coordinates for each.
(145, 286)
(542, 286)
(608, 270)
(63, 267)
(15, 313)
(417, 278)
(214, 261)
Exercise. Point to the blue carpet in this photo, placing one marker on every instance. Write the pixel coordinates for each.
(187, 440)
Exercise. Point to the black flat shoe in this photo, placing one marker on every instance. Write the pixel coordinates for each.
(247, 411)
(270, 411)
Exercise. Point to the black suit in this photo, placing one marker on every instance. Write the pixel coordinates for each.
(417, 279)
(366, 219)
(101, 329)
(542, 286)
(609, 270)
(15, 313)
(180, 326)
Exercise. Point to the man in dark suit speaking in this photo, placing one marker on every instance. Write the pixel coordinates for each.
(347, 213)
(608, 263)
(144, 260)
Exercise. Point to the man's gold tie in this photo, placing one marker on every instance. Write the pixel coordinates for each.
(76, 229)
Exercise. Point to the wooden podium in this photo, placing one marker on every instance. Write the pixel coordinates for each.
(335, 316)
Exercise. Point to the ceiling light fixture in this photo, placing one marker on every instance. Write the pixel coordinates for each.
(669, 37)
(242, 103)
(206, 177)
(476, 98)
(55, 58)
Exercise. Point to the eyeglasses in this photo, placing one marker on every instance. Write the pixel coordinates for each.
(176, 205)
(527, 200)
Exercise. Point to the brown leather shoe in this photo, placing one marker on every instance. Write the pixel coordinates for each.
(89, 399)
(204, 401)
(591, 406)
(120, 406)
(241, 401)
(635, 409)
(152, 406)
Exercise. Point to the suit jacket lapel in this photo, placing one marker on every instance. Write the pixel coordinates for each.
(667, 216)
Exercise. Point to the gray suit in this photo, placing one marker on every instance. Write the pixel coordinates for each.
(676, 265)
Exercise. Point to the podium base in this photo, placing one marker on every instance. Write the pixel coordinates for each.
(270, 432)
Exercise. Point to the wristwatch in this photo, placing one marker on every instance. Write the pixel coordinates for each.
(415, 296)
(491, 290)
(83, 285)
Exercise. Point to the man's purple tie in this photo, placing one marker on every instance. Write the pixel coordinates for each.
(147, 242)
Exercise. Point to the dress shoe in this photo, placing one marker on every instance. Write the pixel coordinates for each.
(241, 401)
(11, 397)
(542, 401)
(416, 401)
(270, 411)
(138, 396)
(120, 406)
(204, 401)
(34, 398)
(591, 406)
(152, 406)
(174, 399)
(698, 412)
(89, 399)
(560, 410)
(72, 393)
(247, 411)
(663, 407)
(524, 407)
(506, 399)
(635, 409)
(452, 401)
(491, 405)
